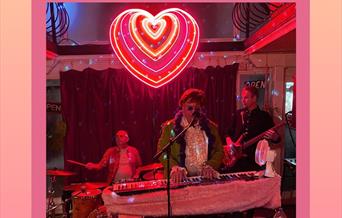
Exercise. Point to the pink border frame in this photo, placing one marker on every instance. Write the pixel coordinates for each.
(39, 100)
(38, 110)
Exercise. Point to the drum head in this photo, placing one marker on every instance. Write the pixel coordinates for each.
(83, 203)
(86, 193)
(85, 185)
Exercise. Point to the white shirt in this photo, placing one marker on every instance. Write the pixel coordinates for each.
(124, 170)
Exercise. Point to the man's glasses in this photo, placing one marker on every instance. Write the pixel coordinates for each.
(192, 108)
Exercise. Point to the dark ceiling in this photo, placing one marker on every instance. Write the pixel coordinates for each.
(91, 21)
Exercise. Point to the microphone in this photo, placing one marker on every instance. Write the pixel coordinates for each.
(196, 113)
(195, 117)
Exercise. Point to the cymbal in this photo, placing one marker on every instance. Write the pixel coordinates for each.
(154, 166)
(60, 173)
(86, 185)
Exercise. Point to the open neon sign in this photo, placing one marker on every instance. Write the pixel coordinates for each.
(155, 49)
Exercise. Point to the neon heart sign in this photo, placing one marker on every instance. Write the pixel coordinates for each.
(155, 49)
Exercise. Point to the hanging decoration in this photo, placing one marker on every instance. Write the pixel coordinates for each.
(155, 49)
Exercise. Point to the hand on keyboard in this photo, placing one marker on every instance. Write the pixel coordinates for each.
(178, 174)
(209, 173)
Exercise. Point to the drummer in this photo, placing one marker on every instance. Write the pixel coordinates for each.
(122, 160)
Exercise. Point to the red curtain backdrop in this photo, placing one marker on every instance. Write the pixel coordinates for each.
(95, 104)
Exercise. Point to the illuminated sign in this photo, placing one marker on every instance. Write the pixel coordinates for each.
(259, 84)
(155, 49)
(53, 107)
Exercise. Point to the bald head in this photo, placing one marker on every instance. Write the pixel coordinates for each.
(121, 137)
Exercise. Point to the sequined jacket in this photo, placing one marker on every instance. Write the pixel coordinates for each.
(215, 151)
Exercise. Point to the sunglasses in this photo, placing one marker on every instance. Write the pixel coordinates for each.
(192, 108)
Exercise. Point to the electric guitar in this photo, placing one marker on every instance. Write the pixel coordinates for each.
(234, 151)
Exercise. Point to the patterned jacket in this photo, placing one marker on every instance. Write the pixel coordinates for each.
(215, 151)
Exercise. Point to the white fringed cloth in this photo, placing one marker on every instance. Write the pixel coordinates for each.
(195, 200)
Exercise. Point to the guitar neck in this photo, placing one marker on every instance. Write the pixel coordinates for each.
(260, 136)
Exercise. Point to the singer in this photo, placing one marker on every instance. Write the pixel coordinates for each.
(199, 151)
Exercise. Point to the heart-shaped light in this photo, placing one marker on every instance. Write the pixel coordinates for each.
(152, 37)
(154, 28)
(155, 49)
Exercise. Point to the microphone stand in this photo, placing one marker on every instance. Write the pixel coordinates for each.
(167, 148)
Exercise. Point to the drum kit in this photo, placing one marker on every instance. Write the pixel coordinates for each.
(51, 205)
(84, 199)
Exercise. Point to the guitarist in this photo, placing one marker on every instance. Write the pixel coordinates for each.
(250, 122)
